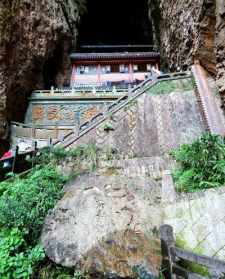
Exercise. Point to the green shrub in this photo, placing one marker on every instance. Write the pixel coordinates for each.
(201, 164)
(16, 258)
(24, 204)
(87, 152)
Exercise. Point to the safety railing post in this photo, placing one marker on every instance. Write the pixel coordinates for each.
(33, 154)
(167, 241)
(15, 158)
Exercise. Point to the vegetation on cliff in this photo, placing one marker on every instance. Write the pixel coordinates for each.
(201, 164)
(24, 203)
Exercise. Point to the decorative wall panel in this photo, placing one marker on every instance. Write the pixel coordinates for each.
(63, 112)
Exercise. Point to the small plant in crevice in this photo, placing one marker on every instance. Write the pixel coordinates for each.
(108, 127)
(201, 164)
(110, 153)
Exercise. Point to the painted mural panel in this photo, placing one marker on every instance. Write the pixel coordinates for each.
(66, 114)
(38, 113)
(53, 113)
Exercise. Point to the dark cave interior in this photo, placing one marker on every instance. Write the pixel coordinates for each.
(115, 22)
(51, 68)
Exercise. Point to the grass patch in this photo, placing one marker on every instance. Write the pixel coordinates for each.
(166, 87)
(201, 165)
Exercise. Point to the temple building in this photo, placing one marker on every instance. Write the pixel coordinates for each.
(119, 66)
(99, 76)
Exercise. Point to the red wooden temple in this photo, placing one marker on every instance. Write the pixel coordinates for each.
(114, 68)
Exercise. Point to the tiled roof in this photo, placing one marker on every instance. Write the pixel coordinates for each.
(115, 55)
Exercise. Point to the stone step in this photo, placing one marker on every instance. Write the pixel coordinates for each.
(152, 167)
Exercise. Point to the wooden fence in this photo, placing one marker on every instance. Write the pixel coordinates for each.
(173, 257)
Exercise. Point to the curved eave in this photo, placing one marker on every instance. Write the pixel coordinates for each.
(117, 56)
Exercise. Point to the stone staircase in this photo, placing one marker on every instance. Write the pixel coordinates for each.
(211, 111)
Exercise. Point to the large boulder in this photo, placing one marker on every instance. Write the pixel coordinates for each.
(106, 223)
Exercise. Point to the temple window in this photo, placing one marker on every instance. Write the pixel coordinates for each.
(124, 68)
(115, 68)
(86, 69)
(135, 68)
(92, 69)
(142, 68)
(80, 70)
(149, 67)
(106, 69)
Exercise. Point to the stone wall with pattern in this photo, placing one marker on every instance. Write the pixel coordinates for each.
(151, 125)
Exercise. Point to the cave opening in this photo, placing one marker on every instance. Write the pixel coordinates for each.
(115, 22)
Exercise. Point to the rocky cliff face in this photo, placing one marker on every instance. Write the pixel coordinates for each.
(187, 31)
(35, 38)
(220, 46)
(191, 30)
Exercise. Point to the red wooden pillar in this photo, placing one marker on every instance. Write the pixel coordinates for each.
(73, 76)
(99, 73)
(131, 73)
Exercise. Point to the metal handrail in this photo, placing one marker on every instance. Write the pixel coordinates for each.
(80, 90)
(38, 126)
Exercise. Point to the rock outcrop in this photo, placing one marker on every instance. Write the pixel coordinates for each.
(189, 31)
(106, 223)
(35, 38)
